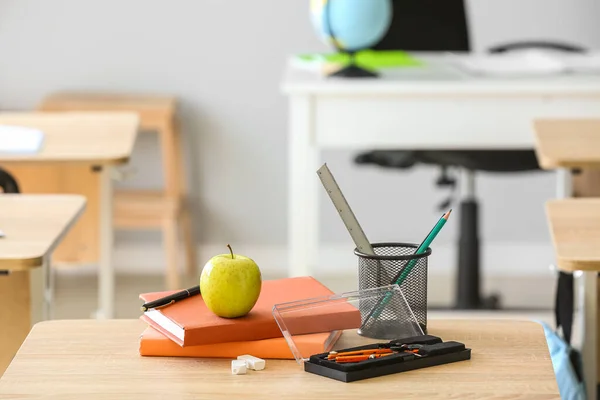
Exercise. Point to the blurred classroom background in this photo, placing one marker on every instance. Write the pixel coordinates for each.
(224, 62)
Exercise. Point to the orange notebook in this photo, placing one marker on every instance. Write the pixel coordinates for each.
(155, 344)
(191, 323)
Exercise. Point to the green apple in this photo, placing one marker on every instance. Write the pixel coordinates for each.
(230, 284)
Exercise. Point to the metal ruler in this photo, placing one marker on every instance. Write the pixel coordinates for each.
(343, 208)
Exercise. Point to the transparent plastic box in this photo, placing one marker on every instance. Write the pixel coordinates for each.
(356, 318)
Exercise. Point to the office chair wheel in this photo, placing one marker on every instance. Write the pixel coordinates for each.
(491, 302)
(445, 179)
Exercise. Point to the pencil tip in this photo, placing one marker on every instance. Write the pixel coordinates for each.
(447, 214)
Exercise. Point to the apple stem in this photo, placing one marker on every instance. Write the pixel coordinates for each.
(231, 251)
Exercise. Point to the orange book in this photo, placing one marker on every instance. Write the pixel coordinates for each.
(155, 344)
(191, 323)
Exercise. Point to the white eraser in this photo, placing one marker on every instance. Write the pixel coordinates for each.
(255, 363)
(238, 367)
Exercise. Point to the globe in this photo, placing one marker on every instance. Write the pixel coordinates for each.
(350, 26)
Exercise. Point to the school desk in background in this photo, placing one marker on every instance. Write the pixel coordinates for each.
(92, 145)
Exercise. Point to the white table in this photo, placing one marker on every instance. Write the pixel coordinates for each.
(436, 106)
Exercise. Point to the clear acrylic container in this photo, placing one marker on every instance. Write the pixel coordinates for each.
(354, 318)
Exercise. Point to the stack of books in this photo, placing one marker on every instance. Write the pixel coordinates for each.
(189, 329)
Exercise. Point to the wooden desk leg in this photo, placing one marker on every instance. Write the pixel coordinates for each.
(48, 299)
(39, 284)
(106, 275)
(171, 240)
(172, 190)
(186, 215)
(22, 299)
(597, 338)
(303, 214)
(589, 288)
(587, 184)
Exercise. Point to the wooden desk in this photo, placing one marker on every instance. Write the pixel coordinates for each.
(88, 138)
(575, 229)
(92, 139)
(567, 144)
(33, 225)
(167, 209)
(64, 359)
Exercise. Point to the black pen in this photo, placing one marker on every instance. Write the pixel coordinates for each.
(170, 299)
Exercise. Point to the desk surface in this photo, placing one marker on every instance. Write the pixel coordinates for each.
(66, 359)
(92, 138)
(564, 143)
(441, 75)
(34, 225)
(575, 230)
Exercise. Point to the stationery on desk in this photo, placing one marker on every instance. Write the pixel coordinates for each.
(171, 299)
(356, 231)
(361, 241)
(398, 279)
(155, 344)
(295, 317)
(403, 274)
(190, 324)
(346, 214)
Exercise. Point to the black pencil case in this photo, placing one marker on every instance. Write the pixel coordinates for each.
(429, 351)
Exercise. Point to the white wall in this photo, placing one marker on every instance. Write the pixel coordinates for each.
(224, 60)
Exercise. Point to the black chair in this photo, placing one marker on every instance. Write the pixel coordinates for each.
(427, 25)
(8, 183)
(433, 25)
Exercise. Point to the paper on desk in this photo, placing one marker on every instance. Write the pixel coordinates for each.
(519, 63)
(20, 140)
(588, 62)
(531, 62)
(369, 59)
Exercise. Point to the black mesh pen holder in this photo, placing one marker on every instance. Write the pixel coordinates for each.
(390, 261)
